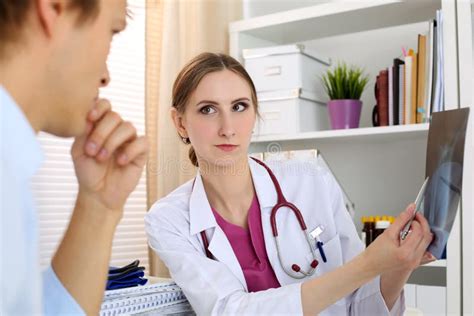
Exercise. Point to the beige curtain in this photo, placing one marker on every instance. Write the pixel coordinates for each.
(187, 28)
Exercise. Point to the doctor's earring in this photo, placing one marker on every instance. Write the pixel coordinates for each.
(186, 140)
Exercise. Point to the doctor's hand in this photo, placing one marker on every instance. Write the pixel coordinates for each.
(108, 158)
(389, 253)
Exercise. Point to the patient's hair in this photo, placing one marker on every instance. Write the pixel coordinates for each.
(193, 72)
(13, 14)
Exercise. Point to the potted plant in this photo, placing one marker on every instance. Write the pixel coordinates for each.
(344, 86)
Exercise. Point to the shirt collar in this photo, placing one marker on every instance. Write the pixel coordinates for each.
(21, 149)
(200, 212)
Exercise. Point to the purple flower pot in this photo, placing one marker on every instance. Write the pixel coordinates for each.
(344, 113)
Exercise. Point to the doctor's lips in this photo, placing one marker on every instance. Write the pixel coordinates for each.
(226, 147)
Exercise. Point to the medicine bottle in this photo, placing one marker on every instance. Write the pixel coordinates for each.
(380, 226)
(365, 227)
(369, 229)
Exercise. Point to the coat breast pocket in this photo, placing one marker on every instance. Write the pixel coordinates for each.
(332, 251)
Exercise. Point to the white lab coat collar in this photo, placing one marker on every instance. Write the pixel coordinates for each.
(200, 212)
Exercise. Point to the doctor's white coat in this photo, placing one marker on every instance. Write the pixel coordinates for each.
(218, 286)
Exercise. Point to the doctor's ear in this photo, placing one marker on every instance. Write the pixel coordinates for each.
(48, 12)
(178, 121)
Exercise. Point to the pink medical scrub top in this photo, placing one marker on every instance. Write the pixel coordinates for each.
(249, 248)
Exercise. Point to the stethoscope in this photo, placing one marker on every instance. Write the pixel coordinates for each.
(296, 272)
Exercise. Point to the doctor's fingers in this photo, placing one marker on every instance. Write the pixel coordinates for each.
(427, 258)
(423, 246)
(415, 236)
(424, 224)
(427, 234)
(124, 133)
(419, 231)
(134, 152)
(101, 107)
(396, 227)
(101, 132)
(408, 254)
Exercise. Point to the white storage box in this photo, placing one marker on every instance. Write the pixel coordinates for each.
(286, 67)
(290, 112)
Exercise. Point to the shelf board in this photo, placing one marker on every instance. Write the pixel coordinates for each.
(363, 135)
(335, 18)
(437, 263)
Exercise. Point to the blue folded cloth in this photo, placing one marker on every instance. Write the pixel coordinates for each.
(127, 276)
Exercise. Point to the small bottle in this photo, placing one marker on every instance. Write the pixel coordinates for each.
(380, 226)
(365, 227)
(369, 237)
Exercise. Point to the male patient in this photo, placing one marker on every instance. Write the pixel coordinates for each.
(52, 64)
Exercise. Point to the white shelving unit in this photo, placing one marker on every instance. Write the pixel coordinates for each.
(438, 263)
(366, 135)
(381, 168)
(324, 20)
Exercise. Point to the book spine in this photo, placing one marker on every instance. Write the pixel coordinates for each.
(420, 105)
(401, 94)
(407, 88)
(390, 96)
(414, 80)
(383, 102)
(429, 70)
(395, 92)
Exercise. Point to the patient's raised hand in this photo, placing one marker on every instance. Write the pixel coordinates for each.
(108, 158)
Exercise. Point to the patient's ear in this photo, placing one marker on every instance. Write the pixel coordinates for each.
(179, 122)
(48, 12)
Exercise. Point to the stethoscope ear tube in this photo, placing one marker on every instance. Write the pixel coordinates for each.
(283, 203)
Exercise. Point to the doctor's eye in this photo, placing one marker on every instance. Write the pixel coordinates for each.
(240, 107)
(207, 110)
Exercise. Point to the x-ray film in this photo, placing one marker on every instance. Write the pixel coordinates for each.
(444, 167)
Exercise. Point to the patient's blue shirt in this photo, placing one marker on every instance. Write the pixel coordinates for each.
(25, 290)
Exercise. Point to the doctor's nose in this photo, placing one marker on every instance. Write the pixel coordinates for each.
(105, 79)
(227, 130)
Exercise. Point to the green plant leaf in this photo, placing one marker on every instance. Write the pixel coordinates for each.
(344, 82)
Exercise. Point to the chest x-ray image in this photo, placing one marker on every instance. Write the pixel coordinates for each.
(444, 167)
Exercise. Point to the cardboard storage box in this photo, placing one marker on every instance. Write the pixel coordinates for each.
(286, 67)
(290, 112)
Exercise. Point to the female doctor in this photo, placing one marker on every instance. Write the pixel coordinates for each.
(233, 251)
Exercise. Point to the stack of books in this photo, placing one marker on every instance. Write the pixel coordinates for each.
(412, 89)
(159, 296)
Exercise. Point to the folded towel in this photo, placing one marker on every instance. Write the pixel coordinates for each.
(127, 276)
(126, 273)
(132, 265)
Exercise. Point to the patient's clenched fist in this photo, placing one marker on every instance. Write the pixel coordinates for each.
(109, 157)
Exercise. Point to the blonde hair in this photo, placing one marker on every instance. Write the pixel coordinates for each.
(191, 75)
